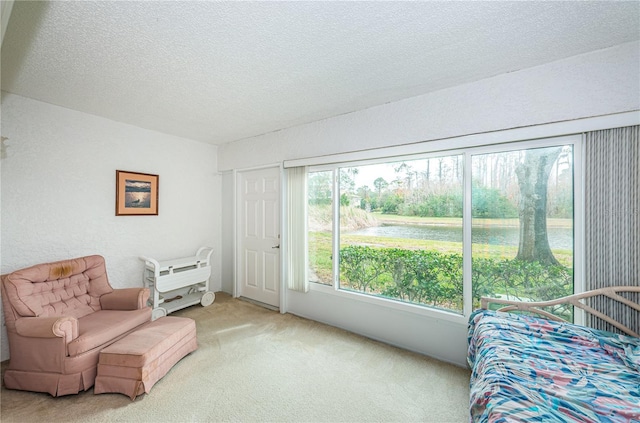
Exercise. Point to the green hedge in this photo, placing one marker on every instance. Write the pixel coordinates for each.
(433, 278)
(486, 203)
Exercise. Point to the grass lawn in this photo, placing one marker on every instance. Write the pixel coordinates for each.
(457, 221)
(320, 246)
(322, 243)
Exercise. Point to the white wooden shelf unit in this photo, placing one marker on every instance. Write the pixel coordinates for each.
(166, 279)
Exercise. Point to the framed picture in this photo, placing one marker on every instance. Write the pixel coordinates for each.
(136, 194)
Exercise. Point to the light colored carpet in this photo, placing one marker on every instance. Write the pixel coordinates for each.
(256, 365)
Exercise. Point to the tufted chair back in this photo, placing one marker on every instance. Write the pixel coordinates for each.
(64, 288)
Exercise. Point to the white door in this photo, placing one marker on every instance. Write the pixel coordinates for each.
(258, 266)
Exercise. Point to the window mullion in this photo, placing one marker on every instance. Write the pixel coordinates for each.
(335, 240)
(466, 237)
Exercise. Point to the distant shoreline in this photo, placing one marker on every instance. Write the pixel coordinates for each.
(455, 221)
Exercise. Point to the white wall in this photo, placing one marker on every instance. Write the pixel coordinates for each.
(58, 192)
(594, 84)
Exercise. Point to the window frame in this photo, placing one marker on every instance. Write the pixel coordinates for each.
(576, 140)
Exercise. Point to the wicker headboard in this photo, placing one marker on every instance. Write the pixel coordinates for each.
(575, 300)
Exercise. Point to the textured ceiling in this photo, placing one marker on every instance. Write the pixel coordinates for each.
(223, 71)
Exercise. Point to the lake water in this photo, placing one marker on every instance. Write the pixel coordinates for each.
(559, 238)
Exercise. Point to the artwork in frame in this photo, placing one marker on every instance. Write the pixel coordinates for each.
(136, 194)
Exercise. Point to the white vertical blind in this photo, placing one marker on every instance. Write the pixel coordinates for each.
(612, 219)
(297, 279)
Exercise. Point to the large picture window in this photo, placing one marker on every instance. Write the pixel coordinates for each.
(401, 223)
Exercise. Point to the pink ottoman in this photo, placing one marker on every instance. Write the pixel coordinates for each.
(135, 363)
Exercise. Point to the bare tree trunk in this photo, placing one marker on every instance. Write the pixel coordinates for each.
(533, 178)
(428, 171)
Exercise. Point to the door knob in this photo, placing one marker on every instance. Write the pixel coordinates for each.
(277, 246)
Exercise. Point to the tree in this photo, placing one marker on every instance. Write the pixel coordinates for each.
(409, 173)
(442, 168)
(320, 188)
(533, 179)
(380, 184)
(347, 179)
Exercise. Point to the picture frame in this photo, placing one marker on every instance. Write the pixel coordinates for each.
(136, 193)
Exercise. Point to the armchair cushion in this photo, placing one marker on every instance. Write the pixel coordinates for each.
(105, 326)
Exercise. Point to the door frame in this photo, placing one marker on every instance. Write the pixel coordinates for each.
(236, 232)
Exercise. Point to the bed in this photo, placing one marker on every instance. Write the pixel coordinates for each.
(540, 368)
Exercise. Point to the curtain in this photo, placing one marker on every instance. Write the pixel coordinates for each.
(612, 220)
(297, 279)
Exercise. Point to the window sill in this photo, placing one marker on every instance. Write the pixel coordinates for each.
(387, 303)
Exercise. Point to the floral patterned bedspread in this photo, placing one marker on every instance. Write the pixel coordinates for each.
(530, 369)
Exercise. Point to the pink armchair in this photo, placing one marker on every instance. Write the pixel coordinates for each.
(59, 316)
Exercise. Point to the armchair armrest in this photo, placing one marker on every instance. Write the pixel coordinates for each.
(125, 299)
(48, 327)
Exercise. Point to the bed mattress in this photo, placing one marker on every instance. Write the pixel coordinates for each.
(531, 369)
